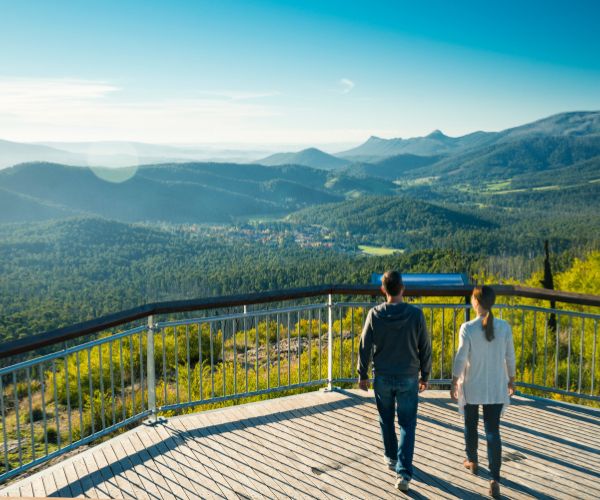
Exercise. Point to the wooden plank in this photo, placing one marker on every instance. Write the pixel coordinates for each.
(156, 462)
(262, 480)
(135, 466)
(263, 456)
(229, 484)
(128, 480)
(63, 488)
(103, 480)
(118, 486)
(292, 460)
(73, 479)
(316, 459)
(138, 453)
(220, 458)
(189, 466)
(49, 483)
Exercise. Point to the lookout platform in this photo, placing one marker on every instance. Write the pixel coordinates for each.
(327, 445)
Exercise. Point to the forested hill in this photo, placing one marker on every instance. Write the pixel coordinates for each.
(59, 273)
(410, 224)
(193, 192)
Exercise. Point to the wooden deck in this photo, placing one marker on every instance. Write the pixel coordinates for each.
(327, 445)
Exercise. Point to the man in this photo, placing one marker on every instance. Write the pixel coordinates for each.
(395, 337)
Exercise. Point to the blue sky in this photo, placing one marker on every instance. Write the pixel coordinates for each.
(290, 72)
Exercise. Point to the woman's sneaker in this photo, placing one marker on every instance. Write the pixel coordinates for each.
(391, 463)
(402, 483)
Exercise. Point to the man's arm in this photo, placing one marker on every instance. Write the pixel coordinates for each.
(424, 343)
(365, 352)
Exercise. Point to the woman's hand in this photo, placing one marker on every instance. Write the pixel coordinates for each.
(511, 387)
(454, 389)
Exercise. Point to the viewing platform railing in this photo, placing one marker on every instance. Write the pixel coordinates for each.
(107, 374)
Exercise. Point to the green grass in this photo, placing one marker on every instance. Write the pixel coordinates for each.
(369, 250)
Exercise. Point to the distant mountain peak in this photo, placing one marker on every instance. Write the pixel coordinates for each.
(437, 134)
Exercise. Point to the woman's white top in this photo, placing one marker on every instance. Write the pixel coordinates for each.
(483, 366)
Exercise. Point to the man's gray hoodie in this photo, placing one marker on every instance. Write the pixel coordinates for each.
(396, 337)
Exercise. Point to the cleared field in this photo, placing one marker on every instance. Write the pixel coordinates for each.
(369, 250)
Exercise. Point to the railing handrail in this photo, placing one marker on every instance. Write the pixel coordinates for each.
(71, 332)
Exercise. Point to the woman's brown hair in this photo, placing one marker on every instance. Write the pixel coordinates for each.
(486, 297)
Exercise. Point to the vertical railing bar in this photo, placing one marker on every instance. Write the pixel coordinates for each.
(534, 347)
(188, 366)
(522, 343)
(432, 319)
(310, 327)
(5, 440)
(593, 374)
(56, 416)
(268, 341)
(454, 332)
(443, 346)
(257, 346)
(112, 383)
(28, 375)
(340, 308)
(289, 351)
(79, 395)
(151, 369)
(569, 336)
(320, 345)
(299, 348)
(234, 333)
(557, 335)
(123, 405)
(329, 342)
(141, 336)
(545, 347)
(45, 423)
(223, 364)
(163, 337)
(278, 318)
(200, 362)
(101, 368)
(212, 360)
(246, 345)
(581, 353)
(176, 357)
(132, 379)
(16, 398)
(68, 392)
(91, 383)
(351, 341)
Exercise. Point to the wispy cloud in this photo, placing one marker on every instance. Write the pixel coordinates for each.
(346, 84)
(68, 109)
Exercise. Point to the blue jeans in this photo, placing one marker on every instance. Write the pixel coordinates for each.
(491, 423)
(398, 395)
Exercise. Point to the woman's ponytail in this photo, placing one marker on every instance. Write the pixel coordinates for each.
(486, 297)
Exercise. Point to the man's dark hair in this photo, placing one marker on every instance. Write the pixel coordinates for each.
(392, 283)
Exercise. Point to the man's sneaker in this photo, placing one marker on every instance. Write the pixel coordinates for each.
(402, 484)
(391, 463)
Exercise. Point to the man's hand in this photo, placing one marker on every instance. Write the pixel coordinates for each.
(423, 385)
(363, 384)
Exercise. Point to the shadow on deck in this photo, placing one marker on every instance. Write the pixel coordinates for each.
(327, 445)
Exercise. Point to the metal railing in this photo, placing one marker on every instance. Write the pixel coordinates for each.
(56, 402)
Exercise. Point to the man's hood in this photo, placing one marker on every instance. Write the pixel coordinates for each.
(393, 312)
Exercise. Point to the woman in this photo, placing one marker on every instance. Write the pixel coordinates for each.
(484, 374)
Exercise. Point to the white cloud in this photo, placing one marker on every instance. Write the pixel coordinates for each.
(69, 109)
(347, 85)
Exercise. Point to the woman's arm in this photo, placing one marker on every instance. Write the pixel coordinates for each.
(460, 360)
(511, 365)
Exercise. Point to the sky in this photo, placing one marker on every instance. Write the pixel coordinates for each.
(295, 73)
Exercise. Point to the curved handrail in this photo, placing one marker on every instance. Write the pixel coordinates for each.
(171, 307)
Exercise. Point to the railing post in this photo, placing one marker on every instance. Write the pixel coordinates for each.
(151, 372)
(329, 342)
